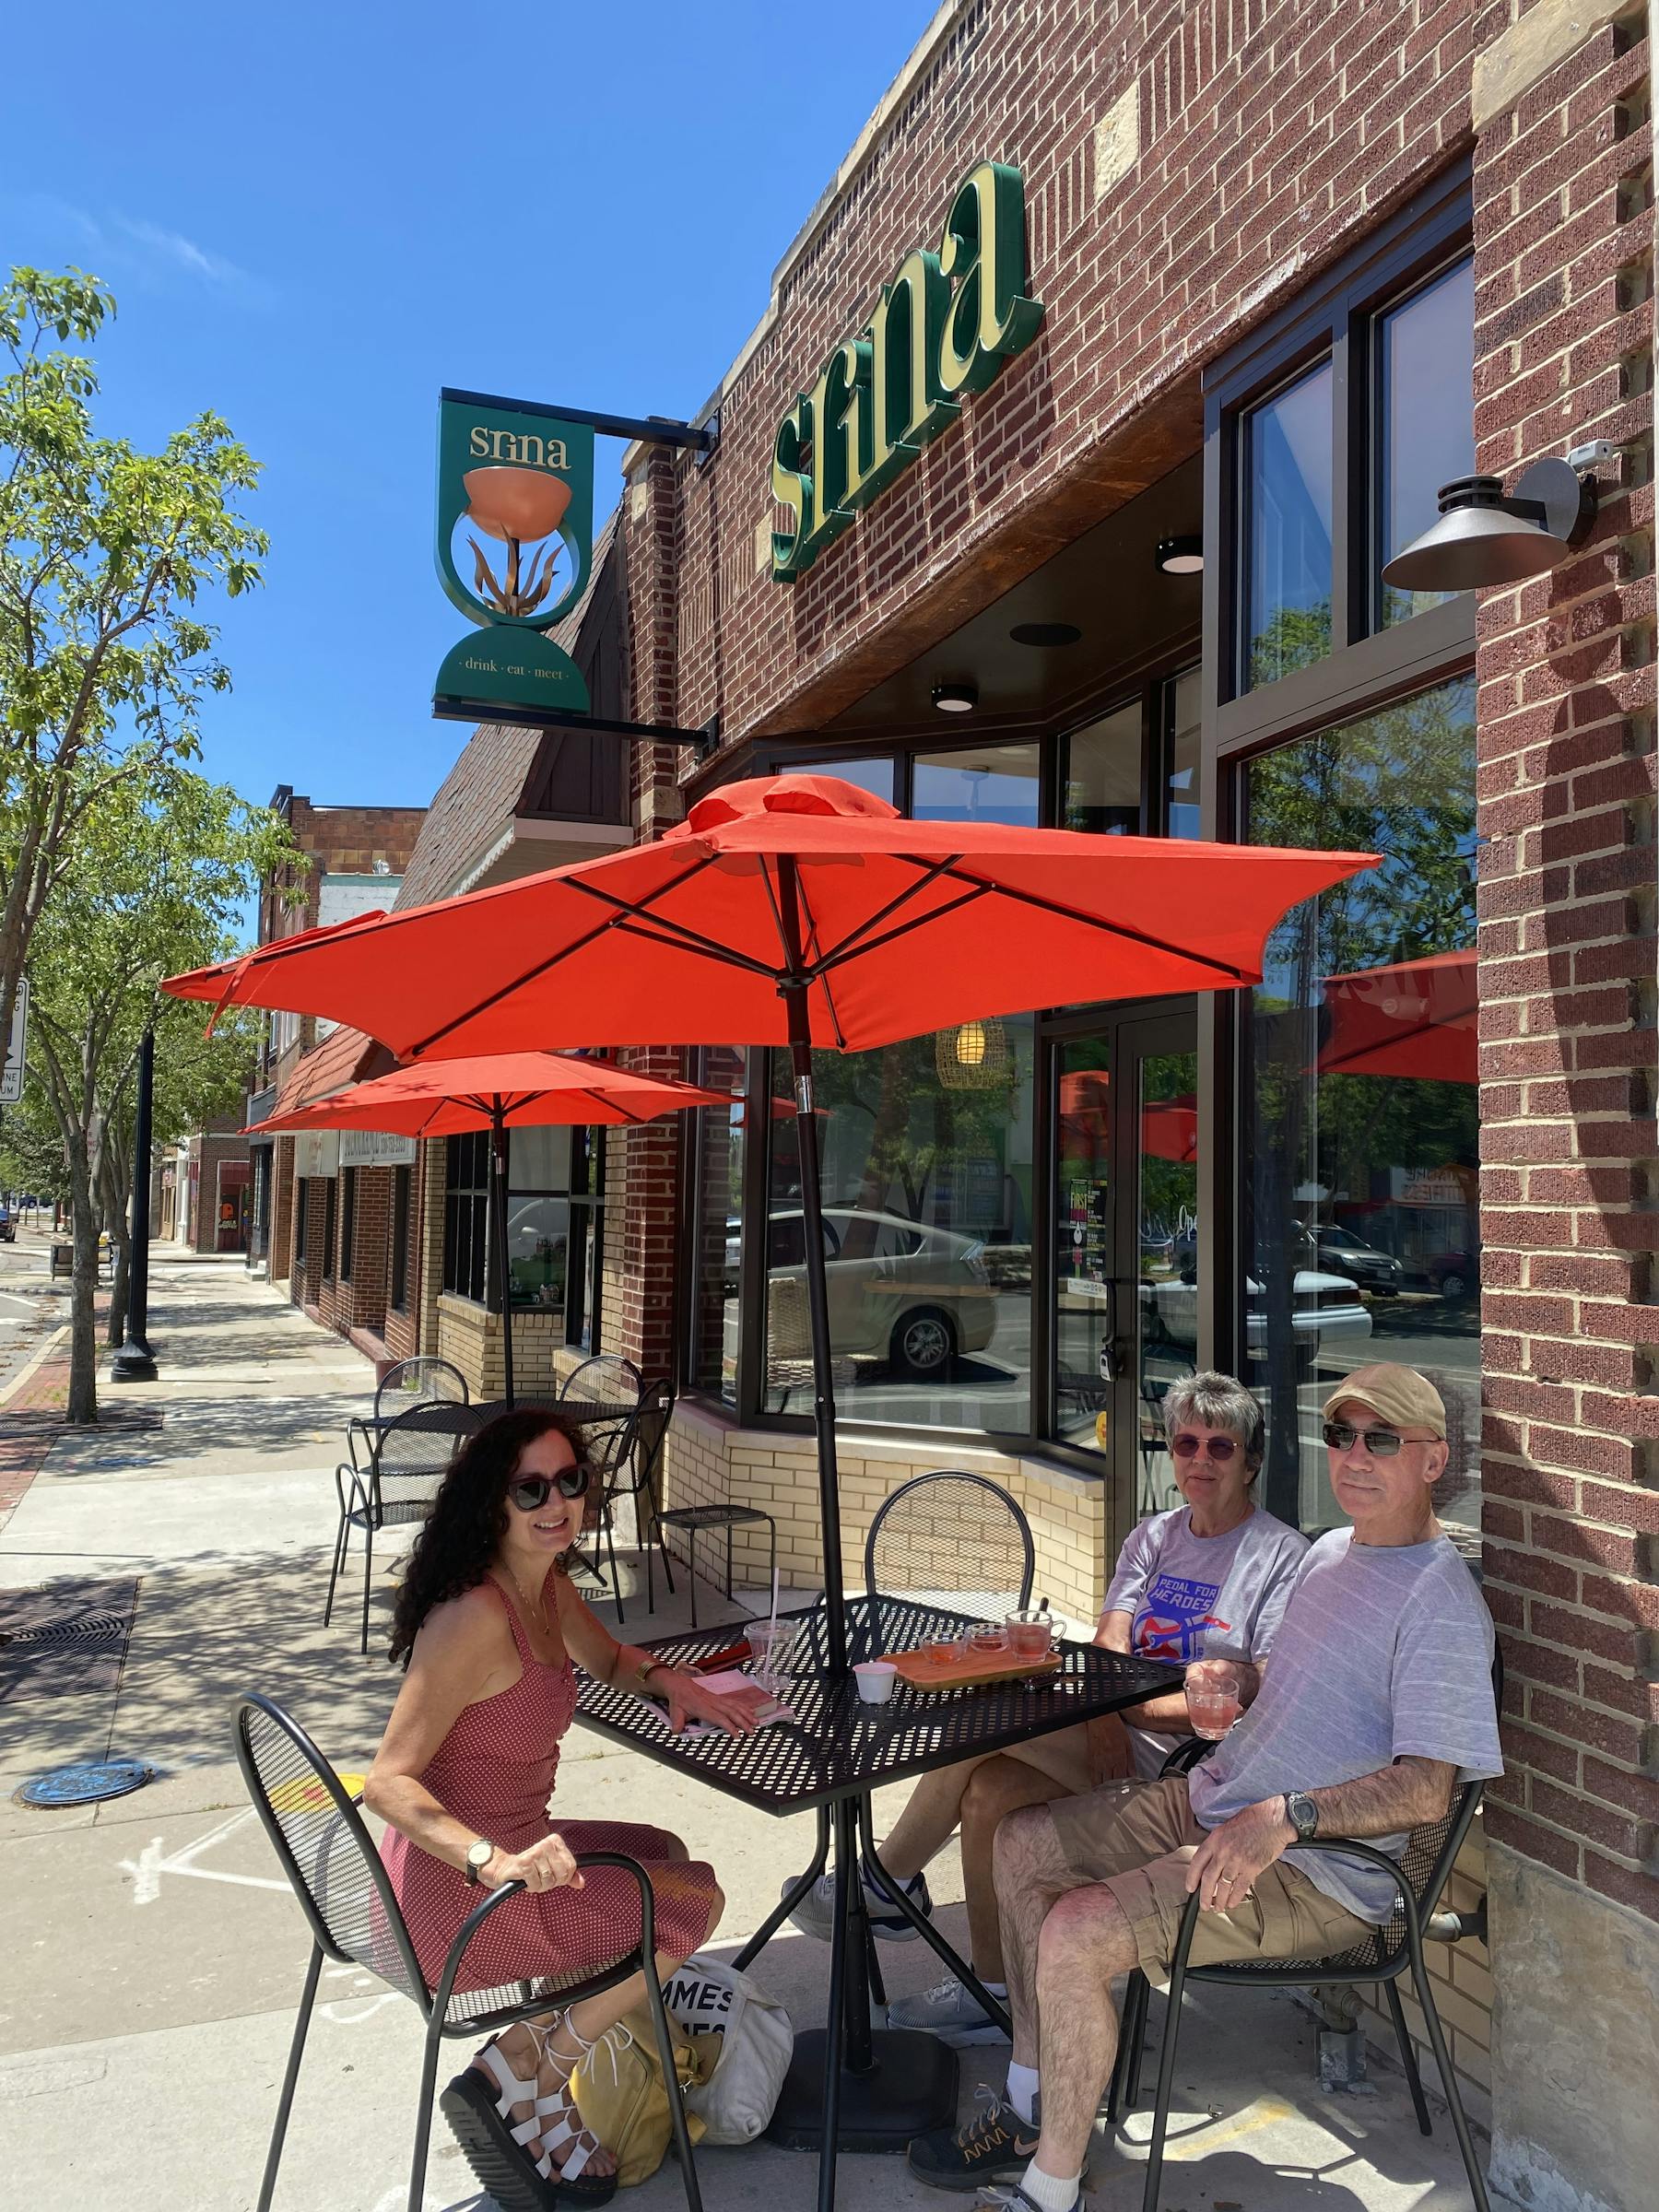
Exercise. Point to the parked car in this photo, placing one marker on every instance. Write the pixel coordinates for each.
(8, 1227)
(1454, 1274)
(1324, 1309)
(1340, 1250)
(906, 1291)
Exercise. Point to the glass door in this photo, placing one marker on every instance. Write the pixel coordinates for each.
(1125, 1306)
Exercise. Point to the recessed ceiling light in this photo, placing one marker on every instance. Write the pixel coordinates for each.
(1181, 556)
(956, 699)
(1045, 633)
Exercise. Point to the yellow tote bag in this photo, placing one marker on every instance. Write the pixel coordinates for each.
(622, 2097)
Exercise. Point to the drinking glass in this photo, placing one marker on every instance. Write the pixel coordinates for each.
(1213, 1696)
(987, 1637)
(1030, 1635)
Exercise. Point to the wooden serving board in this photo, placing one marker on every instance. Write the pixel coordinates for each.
(969, 1672)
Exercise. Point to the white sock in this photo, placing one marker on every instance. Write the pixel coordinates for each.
(1048, 2194)
(997, 1989)
(1022, 2096)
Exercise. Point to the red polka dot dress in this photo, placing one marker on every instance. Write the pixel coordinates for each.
(495, 1770)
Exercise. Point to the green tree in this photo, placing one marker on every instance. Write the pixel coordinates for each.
(167, 863)
(106, 554)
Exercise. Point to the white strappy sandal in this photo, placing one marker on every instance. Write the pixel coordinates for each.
(560, 2107)
(503, 2154)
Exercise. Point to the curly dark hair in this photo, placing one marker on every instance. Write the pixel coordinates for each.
(468, 1521)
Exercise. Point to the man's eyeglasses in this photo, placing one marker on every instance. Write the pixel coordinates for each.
(1381, 1443)
(1220, 1448)
(533, 1491)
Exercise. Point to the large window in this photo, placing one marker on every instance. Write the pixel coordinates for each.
(466, 1216)
(331, 1217)
(1287, 463)
(1360, 1136)
(716, 1143)
(1425, 417)
(927, 1151)
(302, 1220)
(555, 1201)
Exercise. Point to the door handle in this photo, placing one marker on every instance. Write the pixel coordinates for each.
(1109, 1346)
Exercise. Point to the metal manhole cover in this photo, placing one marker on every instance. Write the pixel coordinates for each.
(86, 1783)
(102, 1631)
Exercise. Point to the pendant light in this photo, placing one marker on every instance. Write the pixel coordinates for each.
(973, 1056)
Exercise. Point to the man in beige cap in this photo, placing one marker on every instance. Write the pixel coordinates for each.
(1377, 1701)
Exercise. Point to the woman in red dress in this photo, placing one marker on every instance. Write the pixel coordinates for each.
(487, 1625)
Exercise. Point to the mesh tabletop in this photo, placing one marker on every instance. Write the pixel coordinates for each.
(837, 1747)
(584, 1412)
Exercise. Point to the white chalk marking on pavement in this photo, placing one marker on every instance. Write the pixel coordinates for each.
(347, 2010)
(27, 1368)
(152, 1863)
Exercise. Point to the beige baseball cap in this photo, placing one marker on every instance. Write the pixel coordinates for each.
(1399, 1393)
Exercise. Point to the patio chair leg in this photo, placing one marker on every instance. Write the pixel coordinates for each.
(367, 1573)
(788, 1900)
(728, 1562)
(676, 2107)
(423, 2110)
(1408, 2057)
(1138, 2045)
(663, 1548)
(342, 1537)
(1165, 2071)
(1437, 2043)
(691, 1569)
(1117, 2096)
(267, 2188)
(610, 1553)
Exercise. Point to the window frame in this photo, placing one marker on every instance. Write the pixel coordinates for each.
(349, 1199)
(403, 1187)
(331, 1222)
(301, 1218)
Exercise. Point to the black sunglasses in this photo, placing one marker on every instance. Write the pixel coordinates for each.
(1381, 1443)
(1220, 1448)
(533, 1491)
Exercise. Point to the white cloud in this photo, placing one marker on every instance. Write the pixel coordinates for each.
(134, 247)
(173, 247)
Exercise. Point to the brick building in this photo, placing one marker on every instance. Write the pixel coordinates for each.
(1298, 266)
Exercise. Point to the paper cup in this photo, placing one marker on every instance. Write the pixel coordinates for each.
(875, 1678)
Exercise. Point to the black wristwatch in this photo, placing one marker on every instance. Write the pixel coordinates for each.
(1303, 1813)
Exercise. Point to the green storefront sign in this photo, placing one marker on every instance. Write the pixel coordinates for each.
(946, 324)
(515, 539)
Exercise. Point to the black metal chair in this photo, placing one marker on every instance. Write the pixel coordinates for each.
(606, 1380)
(630, 1471)
(342, 1888)
(423, 1381)
(1419, 1876)
(934, 1537)
(396, 1485)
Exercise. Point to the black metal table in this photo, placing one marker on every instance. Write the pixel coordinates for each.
(849, 2086)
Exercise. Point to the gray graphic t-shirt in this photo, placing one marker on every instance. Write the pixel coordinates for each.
(1197, 1597)
(1384, 1652)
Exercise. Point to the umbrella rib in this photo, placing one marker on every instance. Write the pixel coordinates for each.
(900, 929)
(871, 921)
(820, 979)
(1116, 929)
(635, 922)
(553, 959)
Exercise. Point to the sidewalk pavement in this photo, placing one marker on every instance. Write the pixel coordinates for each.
(155, 1954)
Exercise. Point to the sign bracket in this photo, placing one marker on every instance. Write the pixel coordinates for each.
(647, 430)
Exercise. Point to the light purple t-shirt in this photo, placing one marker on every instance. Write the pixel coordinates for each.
(1384, 1652)
(1194, 1597)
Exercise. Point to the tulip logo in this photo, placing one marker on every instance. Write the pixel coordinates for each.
(515, 523)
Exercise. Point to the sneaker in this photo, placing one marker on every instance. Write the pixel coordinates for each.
(996, 2144)
(814, 1915)
(948, 2010)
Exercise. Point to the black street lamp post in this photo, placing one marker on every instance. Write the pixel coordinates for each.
(133, 1362)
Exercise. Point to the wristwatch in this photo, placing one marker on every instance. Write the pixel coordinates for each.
(478, 1856)
(1303, 1813)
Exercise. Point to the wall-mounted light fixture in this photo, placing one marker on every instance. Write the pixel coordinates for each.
(1485, 535)
(956, 699)
(1182, 556)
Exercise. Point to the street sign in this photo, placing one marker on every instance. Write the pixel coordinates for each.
(11, 1080)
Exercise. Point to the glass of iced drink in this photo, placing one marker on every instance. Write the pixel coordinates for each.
(1213, 1702)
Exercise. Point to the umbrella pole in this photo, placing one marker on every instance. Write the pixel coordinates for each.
(817, 1309)
(498, 1208)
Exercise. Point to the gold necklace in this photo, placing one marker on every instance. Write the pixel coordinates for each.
(540, 1614)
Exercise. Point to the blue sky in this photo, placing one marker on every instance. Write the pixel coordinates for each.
(315, 216)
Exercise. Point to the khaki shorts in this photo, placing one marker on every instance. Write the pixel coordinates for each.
(1136, 1838)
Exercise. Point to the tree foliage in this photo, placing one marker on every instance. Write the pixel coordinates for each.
(107, 558)
(165, 867)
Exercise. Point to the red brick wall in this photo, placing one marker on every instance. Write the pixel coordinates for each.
(1272, 134)
(1564, 351)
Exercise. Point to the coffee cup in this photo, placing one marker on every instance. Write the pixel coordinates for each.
(875, 1678)
(1030, 1635)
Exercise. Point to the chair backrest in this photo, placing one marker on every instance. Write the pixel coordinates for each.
(423, 1381)
(953, 1537)
(418, 1446)
(649, 1434)
(604, 1379)
(325, 1848)
(1431, 1852)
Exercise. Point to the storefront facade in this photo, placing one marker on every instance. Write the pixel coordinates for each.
(1295, 268)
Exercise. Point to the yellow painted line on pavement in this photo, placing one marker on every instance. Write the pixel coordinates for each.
(1266, 2111)
(18, 1381)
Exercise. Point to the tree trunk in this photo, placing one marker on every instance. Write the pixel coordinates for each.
(83, 1326)
(113, 1185)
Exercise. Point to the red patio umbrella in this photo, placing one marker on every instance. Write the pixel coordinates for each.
(1416, 1017)
(509, 1090)
(798, 910)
